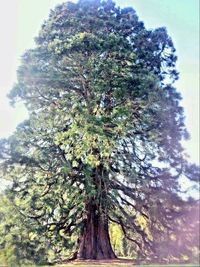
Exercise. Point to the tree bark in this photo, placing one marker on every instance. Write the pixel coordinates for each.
(95, 241)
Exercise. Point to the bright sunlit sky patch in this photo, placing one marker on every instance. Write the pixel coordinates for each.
(20, 22)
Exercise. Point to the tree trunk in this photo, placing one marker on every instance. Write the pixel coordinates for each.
(95, 240)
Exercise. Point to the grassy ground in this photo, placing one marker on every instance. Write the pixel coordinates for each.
(102, 265)
(126, 265)
(77, 265)
(171, 265)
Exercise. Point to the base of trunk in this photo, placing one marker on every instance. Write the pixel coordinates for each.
(95, 241)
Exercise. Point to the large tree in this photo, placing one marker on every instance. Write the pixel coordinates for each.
(103, 139)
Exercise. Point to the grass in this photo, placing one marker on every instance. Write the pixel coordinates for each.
(170, 265)
(108, 265)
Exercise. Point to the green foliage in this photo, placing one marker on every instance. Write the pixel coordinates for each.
(25, 241)
(176, 244)
(105, 126)
(18, 242)
(116, 237)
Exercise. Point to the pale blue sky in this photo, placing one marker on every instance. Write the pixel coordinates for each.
(20, 21)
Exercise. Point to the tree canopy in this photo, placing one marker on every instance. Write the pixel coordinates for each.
(103, 140)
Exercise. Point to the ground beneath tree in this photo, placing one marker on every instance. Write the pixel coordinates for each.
(116, 262)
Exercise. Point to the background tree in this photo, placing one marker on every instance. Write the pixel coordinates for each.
(103, 139)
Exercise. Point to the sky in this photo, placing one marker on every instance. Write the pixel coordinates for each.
(20, 22)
